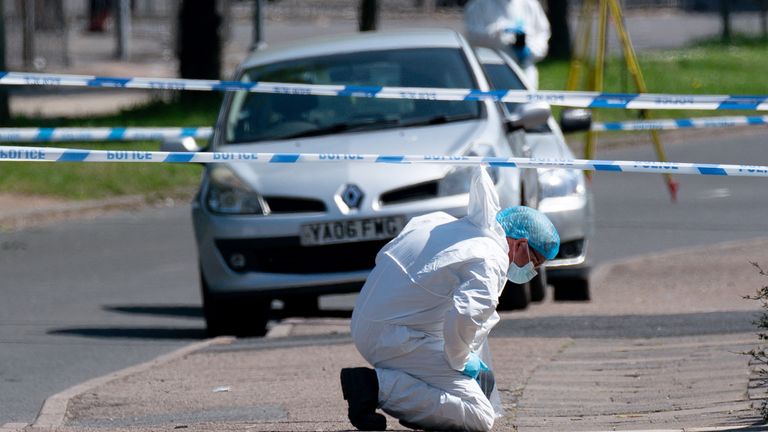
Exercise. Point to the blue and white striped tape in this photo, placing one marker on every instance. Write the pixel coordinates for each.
(65, 134)
(559, 98)
(687, 123)
(101, 134)
(50, 154)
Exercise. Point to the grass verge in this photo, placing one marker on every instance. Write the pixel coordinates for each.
(83, 181)
(707, 67)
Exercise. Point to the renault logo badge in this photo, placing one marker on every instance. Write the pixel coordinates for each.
(352, 196)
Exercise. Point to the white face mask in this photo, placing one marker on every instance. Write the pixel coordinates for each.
(521, 275)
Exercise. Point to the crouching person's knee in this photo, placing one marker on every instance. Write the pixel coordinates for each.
(480, 415)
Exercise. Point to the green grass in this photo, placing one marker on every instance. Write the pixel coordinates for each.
(708, 67)
(83, 181)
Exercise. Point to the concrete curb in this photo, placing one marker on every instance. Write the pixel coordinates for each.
(13, 427)
(743, 428)
(25, 218)
(20, 219)
(54, 410)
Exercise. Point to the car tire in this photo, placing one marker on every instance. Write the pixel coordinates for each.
(572, 289)
(301, 306)
(239, 316)
(539, 286)
(514, 297)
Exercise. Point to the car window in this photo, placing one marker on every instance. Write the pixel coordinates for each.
(502, 76)
(257, 117)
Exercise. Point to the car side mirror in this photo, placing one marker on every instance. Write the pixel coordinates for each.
(528, 116)
(575, 120)
(185, 145)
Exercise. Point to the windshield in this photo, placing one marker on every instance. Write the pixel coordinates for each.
(259, 117)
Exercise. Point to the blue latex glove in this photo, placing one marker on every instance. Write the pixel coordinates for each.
(473, 366)
(522, 54)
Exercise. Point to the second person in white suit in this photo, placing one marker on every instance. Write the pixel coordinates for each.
(519, 26)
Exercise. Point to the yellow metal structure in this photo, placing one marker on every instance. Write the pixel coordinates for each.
(596, 75)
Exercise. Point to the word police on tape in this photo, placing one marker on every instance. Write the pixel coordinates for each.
(560, 98)
(102, 134)
(51, 154)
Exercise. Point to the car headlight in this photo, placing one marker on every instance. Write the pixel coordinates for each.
(459, 179)
(228, 194)
(558, 182)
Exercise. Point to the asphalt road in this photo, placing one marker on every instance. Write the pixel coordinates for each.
(84, 298)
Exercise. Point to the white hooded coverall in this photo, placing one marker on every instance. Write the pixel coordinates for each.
(429, 301)
(488, 21)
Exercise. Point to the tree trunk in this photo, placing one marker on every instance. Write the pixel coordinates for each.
(49, 15)
(725, 14)
(369, 15)
(5, 112)
(199, 39)
(199, 47)
(560, 42)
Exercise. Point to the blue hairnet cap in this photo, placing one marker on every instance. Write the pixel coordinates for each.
(524, 222)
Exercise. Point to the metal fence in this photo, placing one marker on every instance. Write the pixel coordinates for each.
(39, 33)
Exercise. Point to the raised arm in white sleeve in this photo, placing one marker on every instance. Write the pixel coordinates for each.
(475, 302)
(538, 31)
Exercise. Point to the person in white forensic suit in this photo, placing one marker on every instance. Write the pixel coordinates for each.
(519, 26)
(424, 314)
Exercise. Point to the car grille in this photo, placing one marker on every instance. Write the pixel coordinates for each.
(286, 255)
(570, 249)
(294, 205)
(411, 193)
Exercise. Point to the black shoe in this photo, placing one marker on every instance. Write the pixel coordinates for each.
(360, 388)
(410, 425)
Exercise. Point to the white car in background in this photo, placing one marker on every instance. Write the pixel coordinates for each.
(564, 195)
(296, 231)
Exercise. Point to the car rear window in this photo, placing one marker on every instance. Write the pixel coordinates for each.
(255, 117)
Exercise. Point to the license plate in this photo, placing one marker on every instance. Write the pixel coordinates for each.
(354, 230)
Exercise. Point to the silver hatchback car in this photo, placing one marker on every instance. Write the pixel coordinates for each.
(294, 232)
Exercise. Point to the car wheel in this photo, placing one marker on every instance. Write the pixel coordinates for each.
(234, 316)
(539, 286)
(572, 289)
(301, 306)
(514, 297)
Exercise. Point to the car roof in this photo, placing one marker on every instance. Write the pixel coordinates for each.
(344, 43)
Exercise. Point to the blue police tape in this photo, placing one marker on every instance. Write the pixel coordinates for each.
(52, 154)
(559, 98)
(101, 134)
(164, 133)
(687, 123)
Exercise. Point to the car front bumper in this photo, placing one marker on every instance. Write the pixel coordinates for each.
(285, 267)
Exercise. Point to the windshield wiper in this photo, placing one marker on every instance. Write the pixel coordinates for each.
(372, 123)
(439, 119)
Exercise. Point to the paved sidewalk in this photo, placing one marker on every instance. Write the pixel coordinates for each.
(551, 376)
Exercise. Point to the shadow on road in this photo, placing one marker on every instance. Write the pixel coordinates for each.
(629, 326)
(323, 313)
(172, 332)
(180, 311)
(133, 333)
